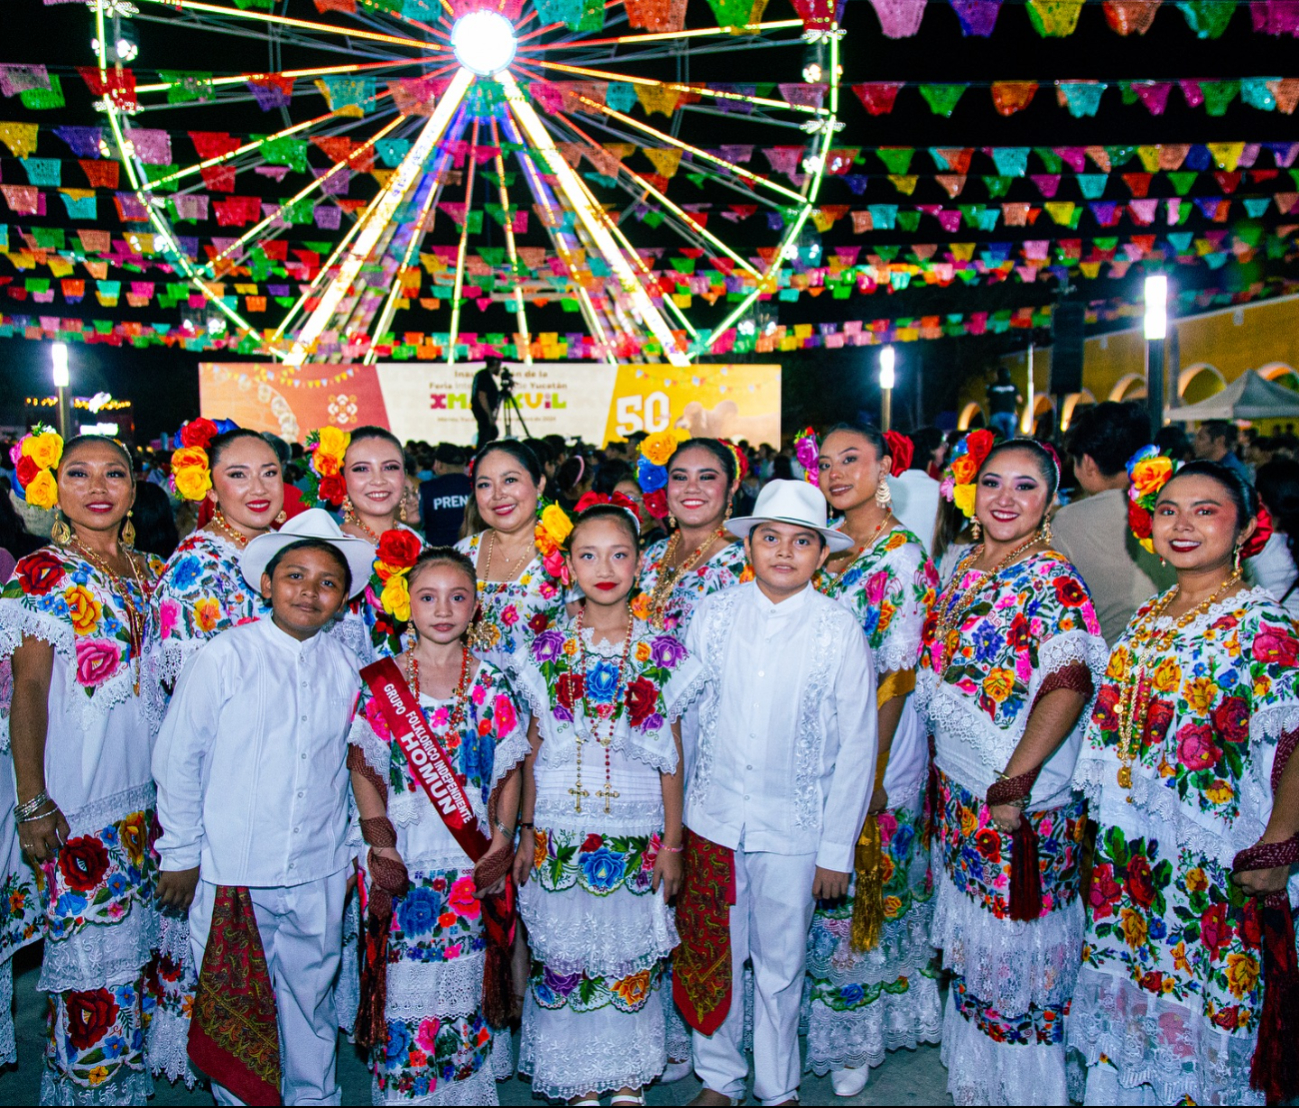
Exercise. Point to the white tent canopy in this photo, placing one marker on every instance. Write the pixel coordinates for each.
(1249, 396)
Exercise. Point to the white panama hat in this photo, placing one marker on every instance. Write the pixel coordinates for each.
(314, 523)
(797, 503)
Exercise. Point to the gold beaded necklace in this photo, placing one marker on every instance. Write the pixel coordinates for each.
(956, 601)
(236, 536)
(862, 549)
(661, 594)
(1146, 645)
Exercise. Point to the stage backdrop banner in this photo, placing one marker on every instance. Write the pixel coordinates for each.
(430, 400)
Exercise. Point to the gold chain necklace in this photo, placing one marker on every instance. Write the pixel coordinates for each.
(661, 594)
(135, 619)
(511, 571)
(1146, 644)
(953, 612)
(236, 536)
(864, 548)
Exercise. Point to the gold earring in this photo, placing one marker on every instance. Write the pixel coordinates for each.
(349, 512)
(672, 523)
(883, 494)
(1236, 556)
(976, 528)
(282, 516)
(1046, 532)
(128, 530)
(730, 509)
(61, 532)
(401, 512)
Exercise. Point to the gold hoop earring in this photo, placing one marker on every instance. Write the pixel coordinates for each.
(61, 532)
(730, 510)
(128, 530)
(883, 494)
(976, 529)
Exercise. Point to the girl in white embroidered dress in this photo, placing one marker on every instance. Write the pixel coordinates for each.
(436, 940)
(600, 851)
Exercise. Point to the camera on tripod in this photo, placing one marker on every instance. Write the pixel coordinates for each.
(507, 382)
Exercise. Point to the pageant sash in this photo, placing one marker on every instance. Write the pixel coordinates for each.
(428, 762)
(701, 964)
(431, 767)
(233, 1036)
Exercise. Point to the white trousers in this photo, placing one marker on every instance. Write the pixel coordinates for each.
(301, 928)
(769, 923)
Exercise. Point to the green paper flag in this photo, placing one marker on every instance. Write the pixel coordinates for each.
(942, 99)
(896, 158)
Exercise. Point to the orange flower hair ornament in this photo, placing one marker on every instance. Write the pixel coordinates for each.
(325, 482)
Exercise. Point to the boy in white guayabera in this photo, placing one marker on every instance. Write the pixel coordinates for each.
(253, 801)
(778, 792)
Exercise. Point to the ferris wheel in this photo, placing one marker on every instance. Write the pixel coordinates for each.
(482, 115)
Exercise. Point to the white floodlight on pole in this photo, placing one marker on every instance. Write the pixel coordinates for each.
(888, 378)
(1156, 330)
(59, 371)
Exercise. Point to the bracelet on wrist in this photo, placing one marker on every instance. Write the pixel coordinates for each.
(508, 832)
(39, 816)
(527, 825)
(671, 849)
(37, 802)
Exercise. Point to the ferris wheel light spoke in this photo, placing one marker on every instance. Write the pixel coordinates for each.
(416, 237)
(379, 214)
(507, 219)
(462, 250)
(667, 36)
(570, 184)
(739, 171)
(318, 71)
(303, 24)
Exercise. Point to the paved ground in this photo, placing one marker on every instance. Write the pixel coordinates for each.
(907, 1077)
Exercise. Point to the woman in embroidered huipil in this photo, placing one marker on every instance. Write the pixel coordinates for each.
(870, 986)
(600, 852)
(699, 557)
(1006, 670)
(1187, 765)
(519, 584)
(373, 470)
(75, 621)
(438, 1044)
(200, 593)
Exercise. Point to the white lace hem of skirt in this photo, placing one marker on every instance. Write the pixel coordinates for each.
(1010, 964)
(982, 1071)
(904, 949)
(417, 990)
(134, 1088)
(863, 1037)
(1151, 1040)
(169, 1048)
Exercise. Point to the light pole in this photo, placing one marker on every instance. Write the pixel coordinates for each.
(1156, 329)
(888, 360)
(59, 366)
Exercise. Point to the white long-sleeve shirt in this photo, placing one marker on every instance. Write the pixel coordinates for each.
(788, 725)
(251, 759)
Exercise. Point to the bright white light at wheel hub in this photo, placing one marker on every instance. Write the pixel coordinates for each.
(483, 42)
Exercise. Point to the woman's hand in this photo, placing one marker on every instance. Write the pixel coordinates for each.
(523, 856)
(669, 871)
(1262, 882)
(42, 838)
(175, 888)
(1005, 817)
